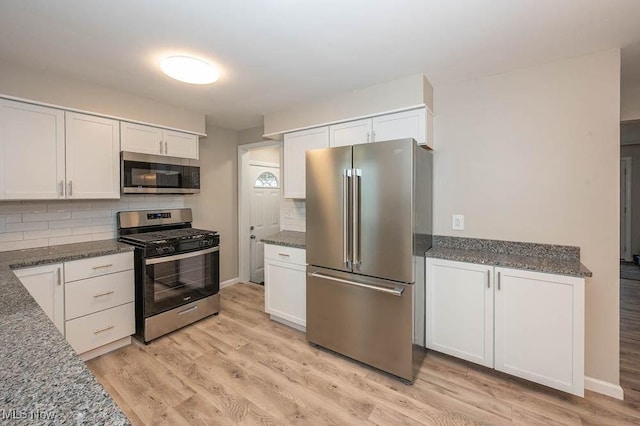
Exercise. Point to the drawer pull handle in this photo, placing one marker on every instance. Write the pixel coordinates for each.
(283, 254)
(106, 293)
(103, 329)
(109, 265)
(186, 311)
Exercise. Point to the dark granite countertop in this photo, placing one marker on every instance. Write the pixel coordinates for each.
(43, 381)
(287, 238)
(553, 259)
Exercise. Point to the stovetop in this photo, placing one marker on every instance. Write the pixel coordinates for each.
(168, 236)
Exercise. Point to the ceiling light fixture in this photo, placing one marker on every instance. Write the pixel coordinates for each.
(189, 70)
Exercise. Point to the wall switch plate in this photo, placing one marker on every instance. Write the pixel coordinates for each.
(457, 222)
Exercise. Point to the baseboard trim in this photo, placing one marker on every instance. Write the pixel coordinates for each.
(230, 282)
(105, 349)
(605, 388)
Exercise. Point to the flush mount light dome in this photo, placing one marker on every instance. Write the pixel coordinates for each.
(189, 70)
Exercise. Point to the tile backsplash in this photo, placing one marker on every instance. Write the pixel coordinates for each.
(293, 215)
(27, 224)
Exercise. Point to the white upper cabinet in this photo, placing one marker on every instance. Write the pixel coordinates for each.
(156, 141)
(179, 144)
(32, 151)
(295, 146)
(350, 133)
(92, 153)
(406, 124)
(142, 139)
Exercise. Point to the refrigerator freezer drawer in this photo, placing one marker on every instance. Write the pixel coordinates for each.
(367, 319)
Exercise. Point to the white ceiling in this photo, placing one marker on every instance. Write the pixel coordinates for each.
(275, 54)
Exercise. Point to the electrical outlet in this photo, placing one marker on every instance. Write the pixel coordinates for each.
(457, 222)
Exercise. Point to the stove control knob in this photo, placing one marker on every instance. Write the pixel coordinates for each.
(171, 249)
(159, 250)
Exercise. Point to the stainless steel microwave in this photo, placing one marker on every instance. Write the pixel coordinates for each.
(158, 174)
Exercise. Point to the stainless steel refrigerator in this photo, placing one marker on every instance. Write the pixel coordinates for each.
(368, 225)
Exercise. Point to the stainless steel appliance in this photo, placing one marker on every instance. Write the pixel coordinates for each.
(176, 269)
(158, 174)
(368, 226)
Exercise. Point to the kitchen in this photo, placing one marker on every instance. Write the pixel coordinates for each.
(570, 197)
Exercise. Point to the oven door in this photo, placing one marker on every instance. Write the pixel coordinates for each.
(154, 174)
(172, 281)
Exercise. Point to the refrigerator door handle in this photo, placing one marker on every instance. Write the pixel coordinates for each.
(357, 175)
(346, 255)
(394, 292)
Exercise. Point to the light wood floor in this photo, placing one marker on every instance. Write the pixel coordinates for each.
(240, 367)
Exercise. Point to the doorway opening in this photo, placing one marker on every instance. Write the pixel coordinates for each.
(629, 268)
(259, 199)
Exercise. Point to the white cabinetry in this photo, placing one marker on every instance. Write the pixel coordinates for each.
(156, 141)
(45, 284)
(524, 323)
(39, 162)
(91, 301)
(99, 303)
(92, 156)
(31, 151)
(460, 310)
(406, 124)
(539, 328)
(285, 284)
(350, 133)
(295, 146)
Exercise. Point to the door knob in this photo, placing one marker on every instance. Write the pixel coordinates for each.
(253, 237)
(251, 228)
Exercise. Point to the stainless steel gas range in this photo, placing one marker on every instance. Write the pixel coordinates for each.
(176, 268)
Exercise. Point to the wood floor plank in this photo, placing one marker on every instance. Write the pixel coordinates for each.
(242, 368)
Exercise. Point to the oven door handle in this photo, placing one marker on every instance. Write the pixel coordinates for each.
(164, 259)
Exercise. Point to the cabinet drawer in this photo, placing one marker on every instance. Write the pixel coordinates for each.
(99, 293)
(95, 330)
(96, 266)
(285, 254)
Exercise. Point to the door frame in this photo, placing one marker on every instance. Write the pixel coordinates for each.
(244, 203)
(625, 217)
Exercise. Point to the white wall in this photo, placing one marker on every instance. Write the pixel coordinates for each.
(28, 224)
(630, 103)
(216, 207)
(533, 155)
(54, 89)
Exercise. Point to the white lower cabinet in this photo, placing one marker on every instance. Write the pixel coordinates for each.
(45, 284)
(539, 328)
(91, 301)
(524, 323)
(285, 284)
(459, 300)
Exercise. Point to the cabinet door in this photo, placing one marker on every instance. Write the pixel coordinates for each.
(44, 283)
(407, 124)
(295, 146)
(143, 139)
(459, 306)
(93, 156)
(539, 328)
(179, 144)
(350, 133)
(31, 152)
(285, 292)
